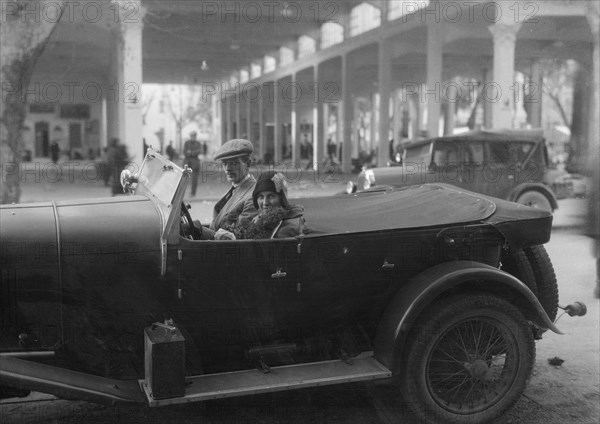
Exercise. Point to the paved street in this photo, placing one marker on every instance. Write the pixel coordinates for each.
(556, 394)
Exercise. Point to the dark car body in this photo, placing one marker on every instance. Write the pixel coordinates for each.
(508, 164)
(81, 280)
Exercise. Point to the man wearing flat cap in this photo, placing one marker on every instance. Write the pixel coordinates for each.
(236, 205)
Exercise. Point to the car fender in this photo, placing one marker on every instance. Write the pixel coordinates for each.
(423, 289)
(514, 194)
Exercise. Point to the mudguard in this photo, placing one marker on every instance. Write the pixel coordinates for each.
(402, 312)
(522, 188)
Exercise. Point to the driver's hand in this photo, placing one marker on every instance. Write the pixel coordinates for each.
(222, 234)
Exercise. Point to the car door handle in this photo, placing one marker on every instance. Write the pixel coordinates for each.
(387, 265)
(279, 274)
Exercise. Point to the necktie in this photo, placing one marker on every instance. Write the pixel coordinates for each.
(221, 203)
(229, 194)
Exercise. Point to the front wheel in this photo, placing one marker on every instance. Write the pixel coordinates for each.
(468, 361)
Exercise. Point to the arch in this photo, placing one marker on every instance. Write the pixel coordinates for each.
(364, 17)
(332, 33)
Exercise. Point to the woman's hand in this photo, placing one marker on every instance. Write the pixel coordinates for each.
(222, 234)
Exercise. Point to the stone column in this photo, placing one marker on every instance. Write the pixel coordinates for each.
(487, 104)
(295, 127)
(579, 121)
(346, 117)
(534, 96)
(238, 115)
(217, 122)
(593, 156)
(450, 108)
(229, 118)
(276, 128)
(503, 104)
(432, 93)
(130, 84)
(385, 86)
(261, 124)
(317, 122)
(248, 117)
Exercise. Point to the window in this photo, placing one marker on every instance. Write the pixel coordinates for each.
(499, 152)
(244, 76)
(400, 8)
(270, 64)
(41, 108)
(473, 153)
(363, 18)
(446, 153)
(331, 34)
(306, 46)
(75, 111)
(286, 56)
(255, 70)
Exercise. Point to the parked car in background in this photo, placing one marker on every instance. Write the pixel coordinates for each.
(508, 164)
(117, 300)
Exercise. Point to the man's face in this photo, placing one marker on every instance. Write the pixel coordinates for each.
(235, 170)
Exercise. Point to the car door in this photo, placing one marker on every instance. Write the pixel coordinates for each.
(234, 295)
(342, 279)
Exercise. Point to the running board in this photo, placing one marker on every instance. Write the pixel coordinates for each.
(67, 384)
(247, 382)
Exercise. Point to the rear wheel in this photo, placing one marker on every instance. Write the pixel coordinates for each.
(469, 361)
(535, 199)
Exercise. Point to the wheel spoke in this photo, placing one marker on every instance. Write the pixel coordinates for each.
(439, 349)
(479, 339)
(459, 385)
(450, 375)
(499, 339)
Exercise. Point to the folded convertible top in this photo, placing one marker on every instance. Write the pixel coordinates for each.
(428, 205)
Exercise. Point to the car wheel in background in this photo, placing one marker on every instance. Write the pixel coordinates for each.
(535, 199)
(468, 361)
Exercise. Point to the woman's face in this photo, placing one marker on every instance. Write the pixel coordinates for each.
(268, 200)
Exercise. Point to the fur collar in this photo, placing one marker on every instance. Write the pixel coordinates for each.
(263, 224)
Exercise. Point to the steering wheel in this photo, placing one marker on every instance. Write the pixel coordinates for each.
(187, 227)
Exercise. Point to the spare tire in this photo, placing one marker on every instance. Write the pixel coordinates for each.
(545, 278)
(515, 262)
(533, 267)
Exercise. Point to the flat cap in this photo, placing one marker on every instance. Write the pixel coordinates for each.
(234, 149)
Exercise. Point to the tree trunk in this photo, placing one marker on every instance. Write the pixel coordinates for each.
(23, 41)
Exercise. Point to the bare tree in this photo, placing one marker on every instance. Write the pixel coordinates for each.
(23, 38)
(557, 80)
(185, 105)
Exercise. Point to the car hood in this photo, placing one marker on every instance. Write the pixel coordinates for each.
(427, 205)
(94, 226)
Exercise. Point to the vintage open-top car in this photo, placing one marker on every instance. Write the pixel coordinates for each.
(440, 291)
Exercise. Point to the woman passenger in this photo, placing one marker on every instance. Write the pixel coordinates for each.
(276, 218)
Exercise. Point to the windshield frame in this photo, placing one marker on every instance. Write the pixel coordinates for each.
(164, 183)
